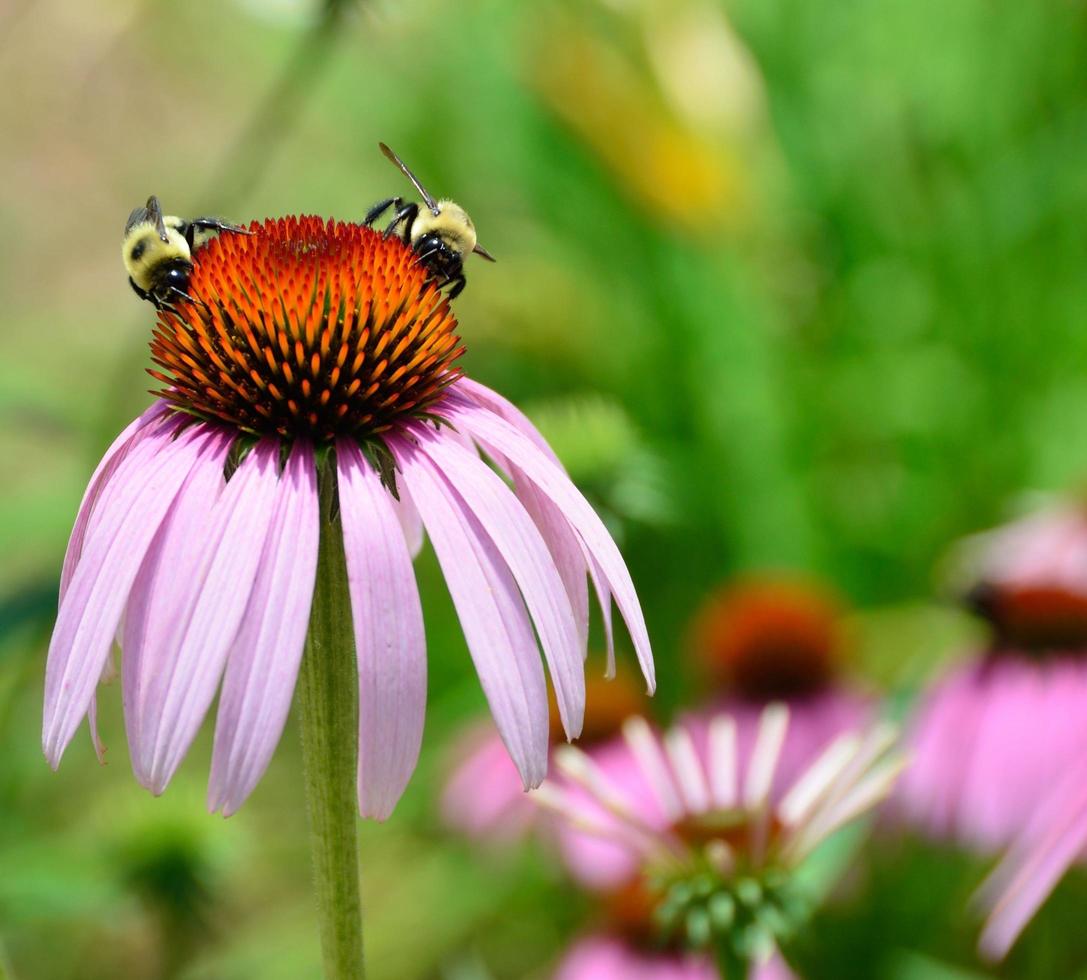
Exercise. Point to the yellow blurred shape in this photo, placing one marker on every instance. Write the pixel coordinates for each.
(677, 174)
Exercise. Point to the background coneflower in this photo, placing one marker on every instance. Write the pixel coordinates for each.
(778, 637)
(993, 736)
(706, 848)
(312, 410)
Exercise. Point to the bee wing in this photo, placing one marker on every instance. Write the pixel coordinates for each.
(154, 215)
(430, 202)
(150, 213)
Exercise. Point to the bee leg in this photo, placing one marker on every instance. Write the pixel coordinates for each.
(380, 208)
(458, 282)
(174, 291)
(209, 224)
(407, 214)
(142, 293)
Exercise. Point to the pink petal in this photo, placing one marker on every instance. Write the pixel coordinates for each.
(101, 477)
(161, 597)
(523, 549)
(1041, 865)
(147, 481)
(603, 863)
(496, 434)
(492, 614)
(389, 642)
(605, 957)
(571, 558)
(263, 665)
(410, 521)
(489, 399)
(184, 618)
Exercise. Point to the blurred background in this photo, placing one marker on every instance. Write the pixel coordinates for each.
(790, 286)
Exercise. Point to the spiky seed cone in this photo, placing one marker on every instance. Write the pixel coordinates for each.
(307, 327)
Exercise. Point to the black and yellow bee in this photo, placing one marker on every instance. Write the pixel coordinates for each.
(158, 249)
(441, 234)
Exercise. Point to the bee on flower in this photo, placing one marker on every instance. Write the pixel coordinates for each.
(313, 422)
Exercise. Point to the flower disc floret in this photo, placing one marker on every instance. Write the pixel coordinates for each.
(307, 327)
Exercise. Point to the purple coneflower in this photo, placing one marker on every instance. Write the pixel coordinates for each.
(706, 852)
(775, 637)
(999, 730)
(311, 415)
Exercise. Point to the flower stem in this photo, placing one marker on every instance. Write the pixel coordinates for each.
(328, 687)
(730, 964)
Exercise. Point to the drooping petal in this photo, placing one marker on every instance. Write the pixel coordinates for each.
(147, 481)
(570, 557)
(523, 549)
(263, 665)
(390, 646)
(1034, 865)
(161, 598)
(180, 630)
(99, 480)
(502, 407)
(492, 614)
(493, 432)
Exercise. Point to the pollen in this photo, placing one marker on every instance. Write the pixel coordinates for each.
(307, 327)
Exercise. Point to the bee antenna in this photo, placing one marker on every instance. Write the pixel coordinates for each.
(430, 202)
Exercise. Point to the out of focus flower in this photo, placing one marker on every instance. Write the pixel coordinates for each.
(1000, 730)
(703, 137)
(485, 799)
(607, 957)
(774, 637)
(321, 351)
(696, 837)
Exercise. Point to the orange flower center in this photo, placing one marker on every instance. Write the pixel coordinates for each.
(769, 639)
(1036, 619)
(307, 328)
(608, 703)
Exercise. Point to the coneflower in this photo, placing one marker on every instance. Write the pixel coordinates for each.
(1001, 727)
(771, 637)
(703, 861)
(312, 421)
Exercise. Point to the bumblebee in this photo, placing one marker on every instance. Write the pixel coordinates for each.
(442, 234)
(157, 251)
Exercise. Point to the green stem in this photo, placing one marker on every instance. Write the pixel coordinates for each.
(730, 964)
(328, 695)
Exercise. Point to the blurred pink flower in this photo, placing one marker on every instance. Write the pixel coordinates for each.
(773, 637)
(657, 811)
(768, 637)
(988, 741)
(608, 957)
(205, 579)
(997, 732)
